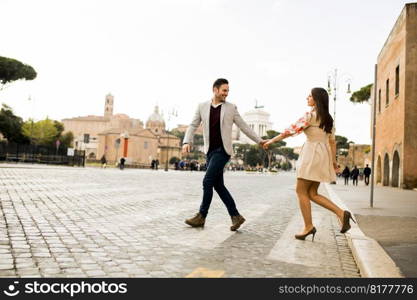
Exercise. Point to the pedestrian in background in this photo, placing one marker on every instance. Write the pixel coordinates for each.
(122, 163)
(346, 175)
(367, 172)
(355, 174)
(103, 161)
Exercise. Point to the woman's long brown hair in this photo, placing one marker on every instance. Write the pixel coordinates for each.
(321, 98)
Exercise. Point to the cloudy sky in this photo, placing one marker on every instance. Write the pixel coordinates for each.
(169, 52)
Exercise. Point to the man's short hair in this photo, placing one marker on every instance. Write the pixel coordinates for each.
(219, 82)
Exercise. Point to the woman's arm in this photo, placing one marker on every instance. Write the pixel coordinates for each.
(332, 143)
(294, 129)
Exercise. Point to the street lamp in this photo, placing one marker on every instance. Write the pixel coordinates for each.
(173, 113)
(333, 85)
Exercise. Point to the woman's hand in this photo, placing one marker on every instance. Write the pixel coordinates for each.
(335, 166)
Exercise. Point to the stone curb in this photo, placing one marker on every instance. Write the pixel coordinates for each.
(371, 258)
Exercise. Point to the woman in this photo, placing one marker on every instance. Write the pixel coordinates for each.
(317, 160)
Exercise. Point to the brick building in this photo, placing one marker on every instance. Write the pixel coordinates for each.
(396, 104)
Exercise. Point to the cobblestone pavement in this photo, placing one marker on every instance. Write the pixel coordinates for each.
(75, 222)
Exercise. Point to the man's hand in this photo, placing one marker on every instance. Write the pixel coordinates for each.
(186, 148)
(267, 144)
(261, 143)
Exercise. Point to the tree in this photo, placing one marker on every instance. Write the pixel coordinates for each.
(240, 151)
(12, 70)
(11, 125)
(288, 153)
(362, 95)
(178, 134)
(341, 142)
(198, 138)
(66, 139)
(42, 132)
(253, 156)
(272, 149)
(173, 160)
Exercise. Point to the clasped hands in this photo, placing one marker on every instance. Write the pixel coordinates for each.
(265, 144)
(186, 148)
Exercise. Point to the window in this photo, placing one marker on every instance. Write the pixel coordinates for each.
(379, 101)
(387, 93)
(397, 80)
(146, 145)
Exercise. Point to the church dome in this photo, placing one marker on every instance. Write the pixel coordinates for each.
(156, 117)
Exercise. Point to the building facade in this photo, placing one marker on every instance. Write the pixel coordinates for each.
(396, 104)
(358, 155)
(86, 129)
(258, 120)
(117, 135)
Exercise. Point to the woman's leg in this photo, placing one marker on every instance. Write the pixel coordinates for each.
(302, 188)
(323, 201)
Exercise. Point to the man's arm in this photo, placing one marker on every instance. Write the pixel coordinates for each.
(245, 127)
(189, 135)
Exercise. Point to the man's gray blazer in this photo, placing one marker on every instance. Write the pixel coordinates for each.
(228, 116)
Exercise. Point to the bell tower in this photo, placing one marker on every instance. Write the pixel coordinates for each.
(108, 106)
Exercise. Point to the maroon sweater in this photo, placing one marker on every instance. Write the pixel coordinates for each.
(215, 133)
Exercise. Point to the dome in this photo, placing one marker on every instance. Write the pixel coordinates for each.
(156, 116)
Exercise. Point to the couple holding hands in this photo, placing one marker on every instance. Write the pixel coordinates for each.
(316, 163)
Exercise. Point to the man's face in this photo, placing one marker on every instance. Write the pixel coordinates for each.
(221, 92)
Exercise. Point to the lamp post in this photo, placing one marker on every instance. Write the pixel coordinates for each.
(173, 113)
(333, 85)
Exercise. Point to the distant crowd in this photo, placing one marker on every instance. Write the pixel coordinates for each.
(356, 174)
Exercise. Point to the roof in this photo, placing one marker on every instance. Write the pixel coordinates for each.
(88, 118)
(156, 116)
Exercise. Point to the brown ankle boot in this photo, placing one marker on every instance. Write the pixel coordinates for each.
(236, 222)
(197, 221)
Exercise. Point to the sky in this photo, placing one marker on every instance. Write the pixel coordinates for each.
(169, 52)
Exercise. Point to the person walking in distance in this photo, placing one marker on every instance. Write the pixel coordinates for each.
(367, 172)
(217, 118)
(346, 175)
(103, 161)
(355, 175)
(122, 163)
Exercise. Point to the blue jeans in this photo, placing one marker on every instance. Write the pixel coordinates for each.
(216, 160)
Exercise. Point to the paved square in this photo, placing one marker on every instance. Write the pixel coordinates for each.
(90, 222)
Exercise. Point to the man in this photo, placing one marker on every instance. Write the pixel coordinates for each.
(346, 175)
(367, 173)
(355, 174)
(217, 117)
